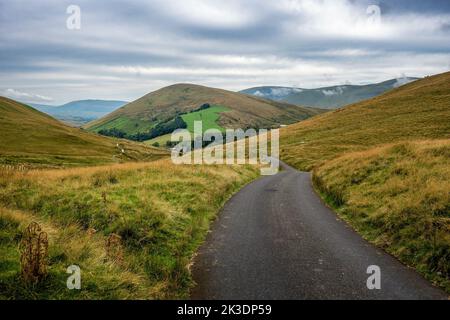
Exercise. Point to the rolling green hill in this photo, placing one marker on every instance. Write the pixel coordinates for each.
(328, 97)
(166, 104)
(29, 136)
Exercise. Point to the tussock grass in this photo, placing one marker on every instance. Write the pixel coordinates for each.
(398, 197)
(67, 245)
(161, 211)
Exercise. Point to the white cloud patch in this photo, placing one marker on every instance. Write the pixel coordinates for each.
(333, 92)
(216, 14)
(402, 81)
(347, 19)
(283, 92)
(24, 96)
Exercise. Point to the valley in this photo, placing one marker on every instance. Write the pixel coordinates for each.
(381, 164)
(37, 140)
(279, 155)
(78, 113)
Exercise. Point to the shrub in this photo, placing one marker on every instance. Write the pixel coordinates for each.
(34, 254)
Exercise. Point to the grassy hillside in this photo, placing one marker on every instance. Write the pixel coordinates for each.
(165, 104)
(29, 136)
(398, 197)
(328, 97)
(161, 212)
(419, 110)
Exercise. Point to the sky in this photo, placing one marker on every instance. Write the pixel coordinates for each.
(125, 49)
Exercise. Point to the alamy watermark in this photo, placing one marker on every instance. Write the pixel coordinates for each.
(373, 15)
(73, 22)
(374, 280)
(74, 280)
(213, 147)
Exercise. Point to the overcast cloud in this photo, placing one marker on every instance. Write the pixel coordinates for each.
(126, 49)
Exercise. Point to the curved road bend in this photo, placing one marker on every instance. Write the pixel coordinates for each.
(275, 239)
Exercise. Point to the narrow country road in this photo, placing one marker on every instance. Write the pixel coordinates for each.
(275, 239)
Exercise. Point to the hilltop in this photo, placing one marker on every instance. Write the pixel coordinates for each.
(30, 136)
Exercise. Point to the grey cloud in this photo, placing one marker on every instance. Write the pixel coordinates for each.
(127, 48)
(25, 96)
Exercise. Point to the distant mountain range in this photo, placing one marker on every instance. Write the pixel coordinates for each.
(327, 97)
(81, 111)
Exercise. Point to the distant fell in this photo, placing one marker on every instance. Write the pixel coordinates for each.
(327, 97)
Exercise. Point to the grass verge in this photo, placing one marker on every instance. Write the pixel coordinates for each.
(397, 197)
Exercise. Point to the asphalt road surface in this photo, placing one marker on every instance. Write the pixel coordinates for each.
(275, 239)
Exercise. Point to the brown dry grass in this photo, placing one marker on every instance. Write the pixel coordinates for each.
(398, 197)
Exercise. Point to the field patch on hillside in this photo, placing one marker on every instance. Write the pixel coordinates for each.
(209, 118)
(125, 124)
(160, 141)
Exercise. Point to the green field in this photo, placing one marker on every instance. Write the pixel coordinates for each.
(208, 117)
(161, 140)
(128, 125)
